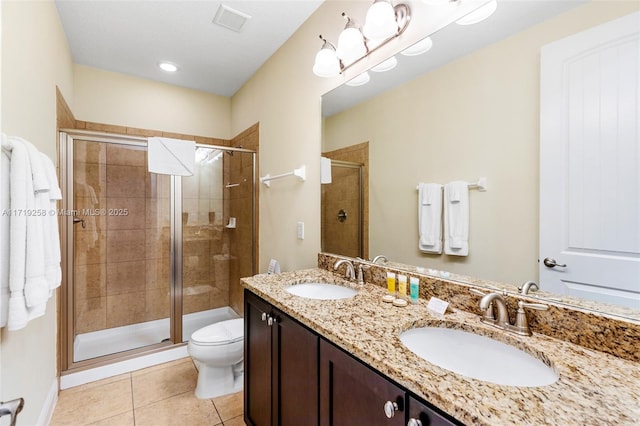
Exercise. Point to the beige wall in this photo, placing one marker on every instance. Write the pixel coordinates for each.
(35, 60)
(478, 116)
(118, 99)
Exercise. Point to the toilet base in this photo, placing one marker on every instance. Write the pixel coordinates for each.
(217, 381)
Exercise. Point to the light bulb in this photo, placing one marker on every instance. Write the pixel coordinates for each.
(381, 21)
(326, 64)
(168, 66)
(480, 14)
(351, 45)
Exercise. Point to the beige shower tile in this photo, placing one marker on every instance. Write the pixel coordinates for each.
(164, 383)
(89, 179)
(91, 314)
(196, 302)
(184, 409)
(157, 243)
(195, 268)
(94, 404)
(126, 277)
(157, 186)
(125, 246)
(89, 152)
(126, 181)
(229, 406)
(90, 281)
(90, 211)
(126, 155)
(109, 128)
(125, 309)
(158, 213)
(157, 305)
(89, 247)
(126, 213)
(157, 273)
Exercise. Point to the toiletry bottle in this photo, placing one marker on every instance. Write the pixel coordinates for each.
(391, 283)
(402, 287)
(414, 289)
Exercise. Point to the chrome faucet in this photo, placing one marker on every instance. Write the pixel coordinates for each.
(527, 287)
(380, 257)
(350, 272)
(521, 326)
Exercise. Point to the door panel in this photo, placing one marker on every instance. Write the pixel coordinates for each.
(590, 164)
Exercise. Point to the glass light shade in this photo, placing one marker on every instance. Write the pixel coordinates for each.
(381, 22)
(351, 45)
(359, 80)
(387, 65)
(419, 48)
(480, 14)
(168, 67)
(327, 64)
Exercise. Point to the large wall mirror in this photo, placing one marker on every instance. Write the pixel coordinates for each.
(468, 108)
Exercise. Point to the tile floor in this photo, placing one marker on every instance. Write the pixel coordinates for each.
(154, 396)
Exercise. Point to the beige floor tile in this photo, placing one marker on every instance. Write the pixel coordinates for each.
(183, 409)
(87, 386)
(230, 406)
(163, 383)
(161, 366)
(236, 421)
(124, 419)
(85, 406)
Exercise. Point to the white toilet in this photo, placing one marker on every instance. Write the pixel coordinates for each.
(218, 351)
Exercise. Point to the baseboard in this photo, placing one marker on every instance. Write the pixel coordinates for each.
(98, 373)
(49, 405)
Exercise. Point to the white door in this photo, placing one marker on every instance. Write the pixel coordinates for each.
(590, 164)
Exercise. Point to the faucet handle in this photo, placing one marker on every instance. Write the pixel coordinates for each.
(361, 269)
(522, 324)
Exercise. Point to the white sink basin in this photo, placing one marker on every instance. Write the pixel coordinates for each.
(321, 291)
(478, 357)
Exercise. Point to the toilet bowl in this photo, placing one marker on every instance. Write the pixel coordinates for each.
(218, 350)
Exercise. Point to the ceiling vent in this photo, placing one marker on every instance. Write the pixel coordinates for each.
(230, 18)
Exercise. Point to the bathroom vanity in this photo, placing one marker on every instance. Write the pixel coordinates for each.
(335, 361)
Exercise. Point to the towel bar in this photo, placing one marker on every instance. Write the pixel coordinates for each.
(480, 184)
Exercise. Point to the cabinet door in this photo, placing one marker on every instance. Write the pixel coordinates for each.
(295, 370)
(257, 362)
(353, 394)
(426, 416)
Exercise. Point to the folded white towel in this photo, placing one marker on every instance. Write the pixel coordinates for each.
(171, 156)
(5, 204)
(53, 272)
(325, 170)
(429, 217)
(456, 218)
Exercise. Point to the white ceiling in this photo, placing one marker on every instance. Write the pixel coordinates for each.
(131, 37)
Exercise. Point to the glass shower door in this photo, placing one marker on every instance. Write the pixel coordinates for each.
(121, 237)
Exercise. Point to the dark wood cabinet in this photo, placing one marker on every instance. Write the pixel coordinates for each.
(353, 394)
(295, 377)
(281, 367)
(424, 415)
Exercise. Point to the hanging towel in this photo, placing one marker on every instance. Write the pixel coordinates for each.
(429, 217)
(53, 272)
(456, 218)
(171, 156)
(325, 170)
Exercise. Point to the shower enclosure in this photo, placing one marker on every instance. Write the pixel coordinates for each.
(149, 258)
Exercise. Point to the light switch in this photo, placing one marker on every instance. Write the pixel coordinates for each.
(300, 229)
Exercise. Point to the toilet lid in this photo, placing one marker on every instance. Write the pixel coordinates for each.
(220, 333)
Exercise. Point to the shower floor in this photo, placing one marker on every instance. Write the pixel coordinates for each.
(120, 339)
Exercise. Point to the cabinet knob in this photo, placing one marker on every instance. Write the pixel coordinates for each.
(390, 409)
(264, 316)
(414, 422)
(271, 320)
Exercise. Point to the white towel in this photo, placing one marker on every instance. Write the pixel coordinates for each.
(53, 272)
(5, 221)
(456, 218)
(429, 217)
(325, 170)
(171, 156)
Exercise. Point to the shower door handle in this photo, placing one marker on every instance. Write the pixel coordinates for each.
(78, 220)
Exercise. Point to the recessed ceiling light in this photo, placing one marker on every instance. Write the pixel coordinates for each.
(168, 66)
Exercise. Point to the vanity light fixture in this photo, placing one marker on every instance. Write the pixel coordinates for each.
(480, 14)
(387, 65)
(168, 66)
(383, 23)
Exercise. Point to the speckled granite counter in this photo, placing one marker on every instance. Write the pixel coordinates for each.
(593, 388)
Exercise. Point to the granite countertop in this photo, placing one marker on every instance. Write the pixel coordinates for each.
(593, 388)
